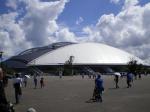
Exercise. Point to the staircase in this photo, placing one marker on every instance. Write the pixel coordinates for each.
(36, 70)
(89, 70)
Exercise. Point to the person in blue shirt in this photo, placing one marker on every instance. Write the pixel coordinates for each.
(129, 79)
(98, 89)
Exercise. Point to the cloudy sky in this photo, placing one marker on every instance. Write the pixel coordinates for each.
(124, 24)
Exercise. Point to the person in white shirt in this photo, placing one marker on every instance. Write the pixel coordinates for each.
(17, 86)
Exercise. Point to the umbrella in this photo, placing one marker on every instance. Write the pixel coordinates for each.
(27, 76)
(117, 73)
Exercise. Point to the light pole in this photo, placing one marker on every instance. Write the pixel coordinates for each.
(71, 61)
(1, 54)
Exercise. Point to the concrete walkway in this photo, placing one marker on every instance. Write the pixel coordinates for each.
(70, 94)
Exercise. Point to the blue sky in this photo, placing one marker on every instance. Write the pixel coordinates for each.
(120, 23)
(90, 11)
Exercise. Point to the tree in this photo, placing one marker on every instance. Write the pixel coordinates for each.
(134, 67)
(68, 67)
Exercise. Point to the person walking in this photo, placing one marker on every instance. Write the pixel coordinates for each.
(42, 82)
(129, 79)
(25, 81)
(35, 81)
(17, 86)
(116, 79)
(60, 74)
(99, 88)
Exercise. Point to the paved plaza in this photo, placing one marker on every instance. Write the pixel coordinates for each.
(71, 93)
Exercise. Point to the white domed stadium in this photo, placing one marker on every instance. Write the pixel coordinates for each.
(83, 56)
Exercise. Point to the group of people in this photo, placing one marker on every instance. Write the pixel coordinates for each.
(129, 79)
(42, 83)
(6, 106)
(99, 88)
(17, 83)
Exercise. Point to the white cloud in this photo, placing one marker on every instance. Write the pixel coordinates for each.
(92, 34)
(65, 35)
(129, 3)
(11, 35)
(79, 21)
(36, 27)
(12, 4)
(147, 60)
(128, 30)
(115, 1)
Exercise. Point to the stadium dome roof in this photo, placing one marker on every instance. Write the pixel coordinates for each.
(85, 54)
(21, 60)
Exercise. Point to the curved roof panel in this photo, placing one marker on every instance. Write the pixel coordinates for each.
(30, 54)
(85, 53)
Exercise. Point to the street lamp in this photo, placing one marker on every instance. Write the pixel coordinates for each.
(1, 54)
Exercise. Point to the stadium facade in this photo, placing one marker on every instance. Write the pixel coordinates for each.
(83, 56)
